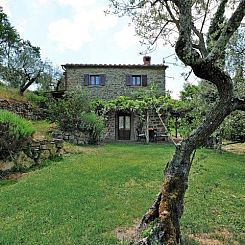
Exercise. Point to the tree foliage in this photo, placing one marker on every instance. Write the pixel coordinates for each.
(8, 35)
(24, 66)
(20, 62)
(75, 113)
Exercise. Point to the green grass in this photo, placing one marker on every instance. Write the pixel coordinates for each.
(42, 129)
(17, 126)
(10, 93)
(215, 200)
(84, 198)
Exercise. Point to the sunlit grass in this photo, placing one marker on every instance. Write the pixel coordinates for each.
(10, 93)
(84, 198)
(42, 129)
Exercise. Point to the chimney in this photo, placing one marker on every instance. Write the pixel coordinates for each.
(147, 60)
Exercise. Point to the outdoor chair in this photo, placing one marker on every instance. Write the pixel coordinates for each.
(158, 136)
(140, 136)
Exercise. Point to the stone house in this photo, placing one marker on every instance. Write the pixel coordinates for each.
(108, 81)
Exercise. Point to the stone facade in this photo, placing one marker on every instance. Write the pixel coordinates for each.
(114, 83)
(115, 78)
(112, 125)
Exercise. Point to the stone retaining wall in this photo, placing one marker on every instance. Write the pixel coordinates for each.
(36, 153)
(23, 109)
(77, 138)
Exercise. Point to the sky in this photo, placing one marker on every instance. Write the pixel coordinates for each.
(78, 32)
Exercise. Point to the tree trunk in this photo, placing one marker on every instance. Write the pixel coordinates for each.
(25, 86)
(169, 205)
(147, 127)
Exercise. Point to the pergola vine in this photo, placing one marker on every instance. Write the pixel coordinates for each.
(141, 105)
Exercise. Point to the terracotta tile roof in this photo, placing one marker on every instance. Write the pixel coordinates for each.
(113, 65)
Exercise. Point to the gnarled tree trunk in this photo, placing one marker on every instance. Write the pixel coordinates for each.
(169, 205)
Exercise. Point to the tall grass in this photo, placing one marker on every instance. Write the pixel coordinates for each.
(18, 126)
(10, 93)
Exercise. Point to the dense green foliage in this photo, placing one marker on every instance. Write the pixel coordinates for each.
(234, 127)
(8, 35)
(37, 98)
(85, 198)
(20, 62)
(94, 124)
(142, 103)
(75, 113)
(15, 133)
(197, 101)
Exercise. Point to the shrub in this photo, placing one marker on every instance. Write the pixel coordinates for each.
(94, 125)
(234, 126)
(67, 112)
(37, 98)
(75, 113)
(15, 132)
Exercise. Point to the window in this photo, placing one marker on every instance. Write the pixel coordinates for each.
(94, 79)
(137, 80)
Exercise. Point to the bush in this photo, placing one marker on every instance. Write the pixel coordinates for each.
(75, 113)
(38, 99)
(94, 125)
(234, 127)
(15, 134)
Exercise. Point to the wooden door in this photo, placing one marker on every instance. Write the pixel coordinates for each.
(124, 127)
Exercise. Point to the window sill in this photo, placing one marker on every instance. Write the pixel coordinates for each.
(135, 86)
(94, 86)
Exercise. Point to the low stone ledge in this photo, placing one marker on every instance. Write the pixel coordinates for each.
(35, 154)
(77, 138)
(23, 109)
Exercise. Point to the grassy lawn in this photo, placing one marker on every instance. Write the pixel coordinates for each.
(84, 198)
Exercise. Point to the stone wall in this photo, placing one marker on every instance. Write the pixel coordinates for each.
(77, 138)
(36, 153)
(116, 76)
(116, 85)
(110, 132)
(112, 125)
(23, 109)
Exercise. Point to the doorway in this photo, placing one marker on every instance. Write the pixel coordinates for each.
(124, 126)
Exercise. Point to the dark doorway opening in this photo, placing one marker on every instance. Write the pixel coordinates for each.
(124, 126)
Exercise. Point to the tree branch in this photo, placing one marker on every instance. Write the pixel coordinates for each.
(172, 15)
(205, 16)
(201, 45)
(214, 30)
(184, 48)
(159, 33)
(231, 26)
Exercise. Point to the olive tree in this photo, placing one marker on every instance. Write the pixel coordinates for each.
(25, 66)
(202, 49)
(20, 62)
(9, 38)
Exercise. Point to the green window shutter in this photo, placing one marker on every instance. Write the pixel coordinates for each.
(144, 80)
(102, 79)
(129, 80)
(86, 79)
